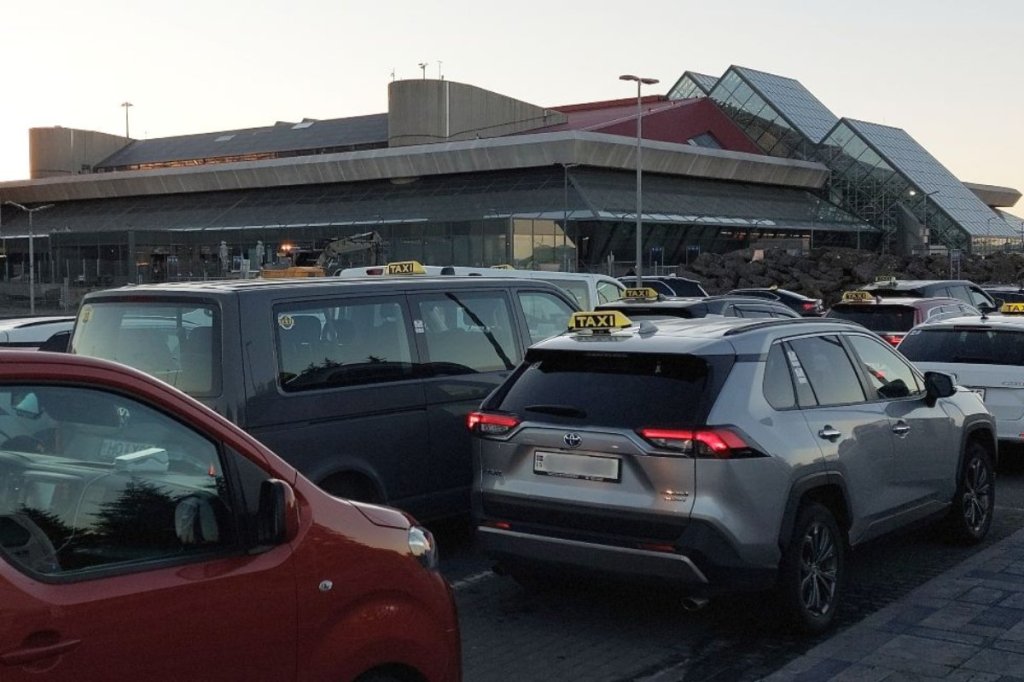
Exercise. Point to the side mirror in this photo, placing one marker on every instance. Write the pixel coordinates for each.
(277, 519)
(937, 385)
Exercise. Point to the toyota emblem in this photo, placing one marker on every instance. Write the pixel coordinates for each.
(572, 440)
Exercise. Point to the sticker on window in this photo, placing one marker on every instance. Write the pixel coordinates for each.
(798, 370)
(285, 321)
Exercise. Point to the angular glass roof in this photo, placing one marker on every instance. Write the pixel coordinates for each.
(792, 100)
(930, 177)
(691, 85)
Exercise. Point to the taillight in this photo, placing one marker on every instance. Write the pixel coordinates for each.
(491, 424)
(374, 271)
(809, 305)
(894, 339)
(720, 443)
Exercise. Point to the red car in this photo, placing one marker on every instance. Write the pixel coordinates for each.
(144, 537)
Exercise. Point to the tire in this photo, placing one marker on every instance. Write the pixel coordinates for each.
(971, 514)
(813, 570)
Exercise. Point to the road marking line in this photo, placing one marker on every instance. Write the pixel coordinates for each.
(473, 579)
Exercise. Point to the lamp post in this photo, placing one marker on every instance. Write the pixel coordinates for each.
(31, 253)
(126, 105)
(640, 81)
(924, 222)
(565, 216)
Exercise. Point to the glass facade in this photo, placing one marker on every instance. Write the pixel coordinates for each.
(692, 86)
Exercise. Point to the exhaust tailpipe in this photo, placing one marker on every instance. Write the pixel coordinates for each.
(694, 603)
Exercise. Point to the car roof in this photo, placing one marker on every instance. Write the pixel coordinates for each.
(706, 335)
(324, 285)
(1009, 322)
(912, 283)
(21, 322)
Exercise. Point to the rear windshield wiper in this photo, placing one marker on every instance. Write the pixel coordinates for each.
(558, 410)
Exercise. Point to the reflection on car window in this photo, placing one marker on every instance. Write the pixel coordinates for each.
(90, 479)
(828, 370)
(890, 376)
(466, 333)
(546, 315)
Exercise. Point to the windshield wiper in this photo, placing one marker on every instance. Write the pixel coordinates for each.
(558, 410)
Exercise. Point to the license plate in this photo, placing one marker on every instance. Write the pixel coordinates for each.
(111, 448)
(587, 467)
(979, 391)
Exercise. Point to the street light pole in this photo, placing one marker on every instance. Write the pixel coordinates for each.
(640, 81)
(126, 105)
(31, 253)
(924, 222)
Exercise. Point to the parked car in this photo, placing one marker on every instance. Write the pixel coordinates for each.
(668, 285)
(965, 290)
(1005, 293)
(892, 318)
(34, 332)
(985, 354)
(145, 537)
(647, 304)
(363, 384)
(723, 454)
(804, 305)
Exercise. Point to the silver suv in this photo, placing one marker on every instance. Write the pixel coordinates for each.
(723, 454)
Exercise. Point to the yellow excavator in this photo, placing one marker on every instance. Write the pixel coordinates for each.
(366, 248)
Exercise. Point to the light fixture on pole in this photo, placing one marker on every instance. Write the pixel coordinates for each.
(126, 105)
(640, 81)
(31, 253)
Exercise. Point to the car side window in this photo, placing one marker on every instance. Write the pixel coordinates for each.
(979, 298)
(828, 370)
(546, 314)
(608, 292)
(890, 376)
(778, 384)
(91, 480)
(343, 343)
(961, 292)
(751, 311)
(467, 332)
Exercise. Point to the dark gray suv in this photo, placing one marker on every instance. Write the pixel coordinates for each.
(723, 454)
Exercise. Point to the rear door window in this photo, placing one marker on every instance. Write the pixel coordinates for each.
(618, 390)
(828, 370)
(178, 342)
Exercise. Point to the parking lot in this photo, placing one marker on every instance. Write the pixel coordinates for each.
(611, 632)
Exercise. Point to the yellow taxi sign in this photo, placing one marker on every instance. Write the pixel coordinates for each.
(603, 320)
(885, 278)
(646, 293)
(1012, 309)
(858, 296)
(406, 267)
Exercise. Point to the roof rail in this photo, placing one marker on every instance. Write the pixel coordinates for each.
(762, 324)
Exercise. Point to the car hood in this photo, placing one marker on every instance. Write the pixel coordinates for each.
(385, 517)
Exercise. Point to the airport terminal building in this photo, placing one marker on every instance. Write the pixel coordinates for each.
(455, 174)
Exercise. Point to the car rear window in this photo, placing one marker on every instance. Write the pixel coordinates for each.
(877, 318)
(617, 390)
(178, 342)
(964, 345)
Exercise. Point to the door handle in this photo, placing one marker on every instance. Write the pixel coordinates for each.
(828, 433)
(36, 653)
(901, 428)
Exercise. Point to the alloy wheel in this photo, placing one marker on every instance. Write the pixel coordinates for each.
(819, 562)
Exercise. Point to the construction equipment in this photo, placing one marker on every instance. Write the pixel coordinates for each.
(366, 248)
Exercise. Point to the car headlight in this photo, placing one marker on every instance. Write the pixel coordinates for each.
(423, 547)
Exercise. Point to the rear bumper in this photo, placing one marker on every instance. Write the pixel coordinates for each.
(622, 561)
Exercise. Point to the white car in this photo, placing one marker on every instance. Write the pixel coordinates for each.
(985, 354)
(34, 332)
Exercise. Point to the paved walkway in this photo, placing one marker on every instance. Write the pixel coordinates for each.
(966, 624)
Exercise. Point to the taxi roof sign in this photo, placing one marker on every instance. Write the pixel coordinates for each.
(1012, 309)
(885, 278)
(599, 321)
(858, 296)
(407, 267)
(645, 293)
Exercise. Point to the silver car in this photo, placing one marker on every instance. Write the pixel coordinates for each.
(723, 454)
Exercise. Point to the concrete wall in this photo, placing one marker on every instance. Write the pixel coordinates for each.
(422, 111)
(55, 152)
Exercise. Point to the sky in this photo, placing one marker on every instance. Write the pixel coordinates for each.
(948, 72)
